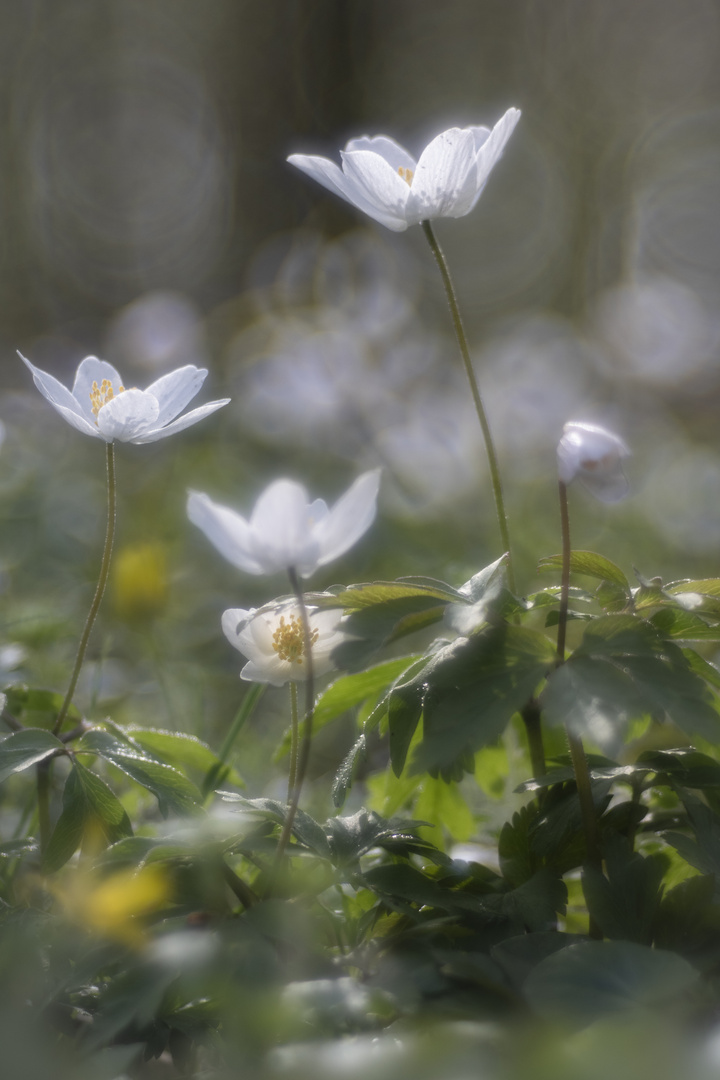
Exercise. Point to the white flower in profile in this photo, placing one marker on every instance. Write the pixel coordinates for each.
(273, 641)
(382, 179)
(285, 531)
(593, 455)
(100, 406)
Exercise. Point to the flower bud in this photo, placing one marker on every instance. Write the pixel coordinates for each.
(594, 455)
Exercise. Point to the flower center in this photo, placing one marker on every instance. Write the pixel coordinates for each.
(289, 639)
(407, 175)
(100, 395)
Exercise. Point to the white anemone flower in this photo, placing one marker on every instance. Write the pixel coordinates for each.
(382, 179)
(593, 455)
(273, 640)
(285, 531)
(100, 406)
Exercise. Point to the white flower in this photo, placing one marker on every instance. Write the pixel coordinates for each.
(381, 178)
(594, 455)
(286, 531)
(272, 639)
(99, 405)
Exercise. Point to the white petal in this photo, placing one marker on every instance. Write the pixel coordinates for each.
(396, 155)
(127, 415)
(349, 518)
(492, 148)
(444, 180)
(174, 390)
(79, 422)
(226, 530)
(181, 423)
(50, 388)
(377, 188)
(282, 529)
(328, 174)
(233, 621)
(608, 487)
(276, 674)
(89, 371)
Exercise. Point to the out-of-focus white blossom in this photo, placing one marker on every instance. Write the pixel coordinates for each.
(382, 179)
(593, 455)
(285, 531)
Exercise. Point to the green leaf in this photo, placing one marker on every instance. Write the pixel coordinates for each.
(378, 593)
(343, 777)
(624, 903)
(351, 690)
(591, 565)
(36, 708)
(703, 586)
(175, 747)
(683, 625)
(174, 792)
(471, 688)
(90, 812)
(25, 748)
(596, 978)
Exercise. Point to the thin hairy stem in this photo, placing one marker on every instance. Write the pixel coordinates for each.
(477, 400)
(100, 588)
(304, 750)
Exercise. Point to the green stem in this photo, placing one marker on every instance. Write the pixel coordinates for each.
(294, 741)
(304, 752)
(531, 717)
(247, 708)
(100, 588)
(477, 400)
(577, 750)
(42, 772)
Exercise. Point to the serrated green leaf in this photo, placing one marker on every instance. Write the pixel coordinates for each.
(471, 688)
(90, 809)
(175, 747)
(378, 593)
(703, 586)
(25, 748)
(174, 792)
(625, 900)
(351, 690)
(683, 625)
(590, 564)
(343, 777)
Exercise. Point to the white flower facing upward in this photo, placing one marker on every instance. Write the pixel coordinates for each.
(382, 179)
(100, 406)
(593, 455)
(272, 639)
(285, 531)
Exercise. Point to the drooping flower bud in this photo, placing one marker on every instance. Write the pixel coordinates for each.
(593, 455)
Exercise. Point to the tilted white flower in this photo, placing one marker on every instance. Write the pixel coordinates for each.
(382, 179)
(286, 531)
(272, 639)
(100, 406)
(593, 455)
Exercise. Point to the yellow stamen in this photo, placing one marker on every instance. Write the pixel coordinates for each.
(289, 639)
(407, 175)
(100, 395)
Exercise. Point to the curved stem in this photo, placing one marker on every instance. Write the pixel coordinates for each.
(304, 752)
(577, 750)
(292, 775)
(477, 400)
(217, 772)
(100, 588)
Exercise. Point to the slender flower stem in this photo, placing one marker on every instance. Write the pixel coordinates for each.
(532, 717)
(292, 775)
(100, 588)
(304, 750)
(477, 400)
(577, 750)
(218, 771)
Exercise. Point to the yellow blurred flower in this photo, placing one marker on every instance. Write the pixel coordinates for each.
(115, 905)
(140, 583)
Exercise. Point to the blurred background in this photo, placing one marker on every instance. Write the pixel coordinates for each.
(149, 217)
